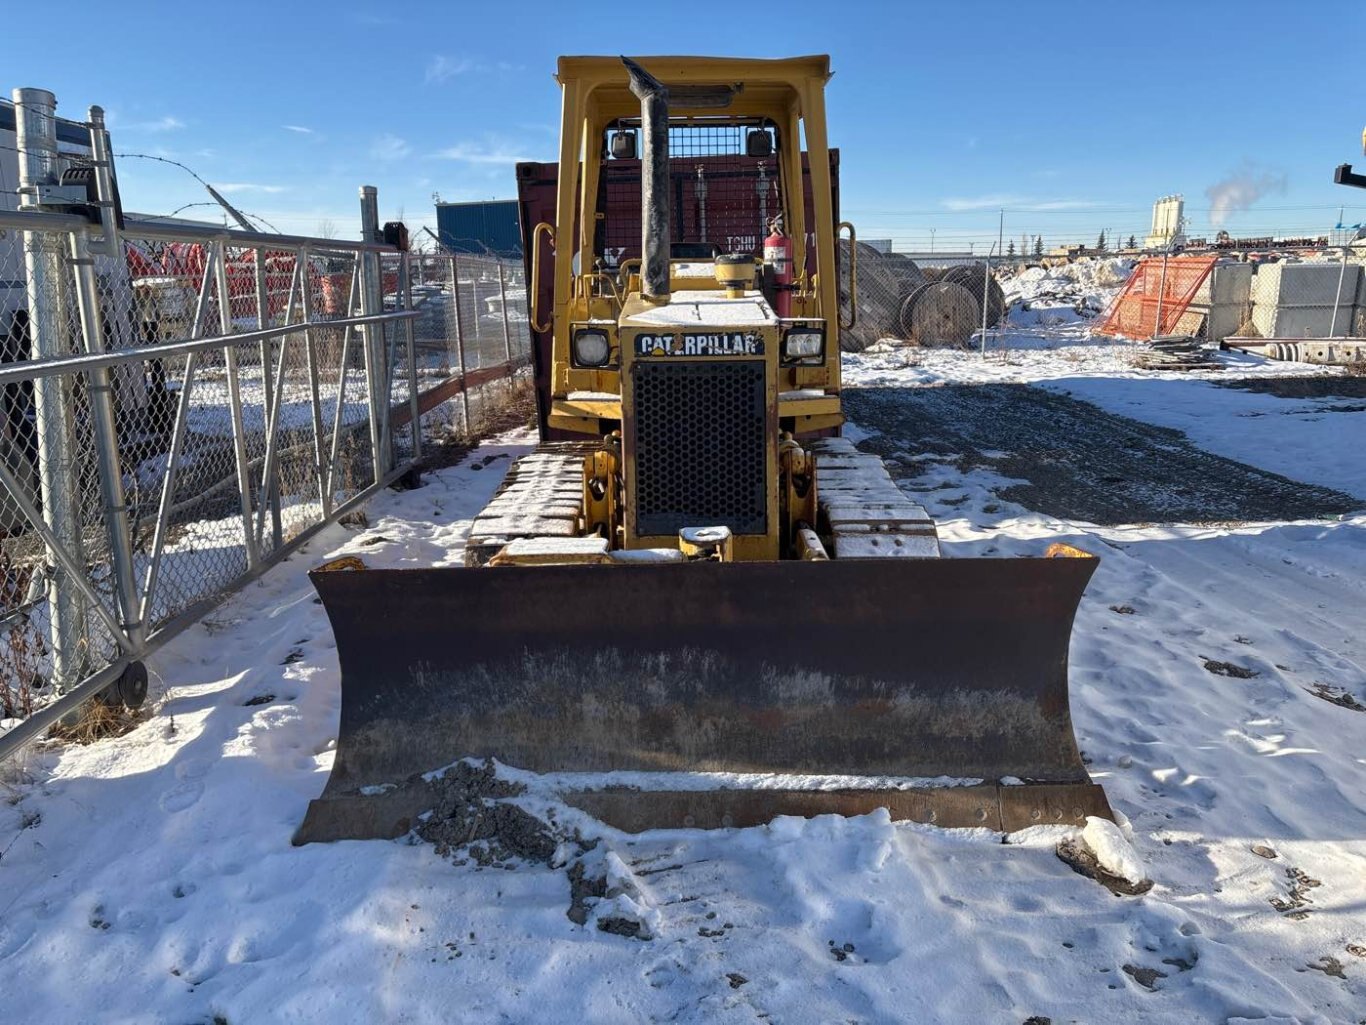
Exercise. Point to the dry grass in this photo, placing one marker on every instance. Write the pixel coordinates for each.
(20, 648)
(97, 720)
(513, 409)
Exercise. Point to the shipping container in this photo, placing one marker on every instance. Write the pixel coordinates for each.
(486, 227)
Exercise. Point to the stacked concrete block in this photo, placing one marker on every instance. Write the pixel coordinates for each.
(1302, 300)
(1222, 303)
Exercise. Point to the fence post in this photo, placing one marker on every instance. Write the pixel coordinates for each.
(1337, 296)
(102, 159)
(39, 164)
(371, 301)
(986, 298)
(105, 430)
(507, 336)
(130, 385)
(460, 343)
(410, 329)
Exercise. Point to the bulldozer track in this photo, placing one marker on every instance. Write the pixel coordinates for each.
(541, 496)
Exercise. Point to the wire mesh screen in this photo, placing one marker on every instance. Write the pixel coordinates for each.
(719, 196)
(223, 452)
(50, 635)
(471, 338)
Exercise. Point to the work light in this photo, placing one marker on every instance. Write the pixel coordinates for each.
(591, 348)
(803, 343)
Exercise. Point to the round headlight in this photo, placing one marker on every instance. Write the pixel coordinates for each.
(591, 349)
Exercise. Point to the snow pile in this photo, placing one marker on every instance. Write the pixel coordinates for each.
(1095, 278)
(1113, 852)
(626, 908)
(1055, 297)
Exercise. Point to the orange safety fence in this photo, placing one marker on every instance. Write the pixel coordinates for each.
(1158, 288)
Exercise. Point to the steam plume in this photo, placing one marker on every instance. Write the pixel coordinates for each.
(1239, 191)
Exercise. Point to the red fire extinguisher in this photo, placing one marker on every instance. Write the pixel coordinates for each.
(778, 262)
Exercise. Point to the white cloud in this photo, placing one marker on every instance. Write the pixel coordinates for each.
(230, 187)
(1062, 204)
(1007, 201)
(441, 68)
(298, 128)
(390, 147)
(161, 124)
(499, 153)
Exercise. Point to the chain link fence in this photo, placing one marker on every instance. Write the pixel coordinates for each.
(472, 326)
(1293, 303)
(178, 417)
(894, 297)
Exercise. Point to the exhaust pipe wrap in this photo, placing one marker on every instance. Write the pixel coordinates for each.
(654, 181)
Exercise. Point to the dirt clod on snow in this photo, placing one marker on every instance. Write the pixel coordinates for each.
(1145, 977)
(1076, 855)
(1229, 669)
(471, 811)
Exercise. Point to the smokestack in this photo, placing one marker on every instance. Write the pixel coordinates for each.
(654, 181)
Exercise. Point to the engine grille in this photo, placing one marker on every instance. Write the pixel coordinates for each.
(699, 446)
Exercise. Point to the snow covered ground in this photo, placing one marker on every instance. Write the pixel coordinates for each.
(1315, 440)
(150, 878)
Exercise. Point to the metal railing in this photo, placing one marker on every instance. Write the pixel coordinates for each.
(182, 406)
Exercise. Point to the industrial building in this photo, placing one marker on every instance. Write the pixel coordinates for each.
(485, 227)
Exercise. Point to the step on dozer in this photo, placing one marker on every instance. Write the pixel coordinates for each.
(695, 605)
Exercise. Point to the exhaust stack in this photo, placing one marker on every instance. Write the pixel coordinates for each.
(654, 181)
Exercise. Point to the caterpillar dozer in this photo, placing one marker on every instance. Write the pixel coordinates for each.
(695, 604)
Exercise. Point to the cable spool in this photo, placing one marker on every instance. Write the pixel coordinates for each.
(905, 322)
(884, 280)
(972, 278)
(942, 315)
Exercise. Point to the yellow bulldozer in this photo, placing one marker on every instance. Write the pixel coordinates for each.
(695, 603)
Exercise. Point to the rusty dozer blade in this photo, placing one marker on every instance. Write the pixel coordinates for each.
(911, 669)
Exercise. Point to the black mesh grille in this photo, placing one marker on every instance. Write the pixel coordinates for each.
(699, 446)
(717, 194)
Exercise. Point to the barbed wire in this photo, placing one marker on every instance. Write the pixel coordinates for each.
(216, 206)
(191, 172)
(163, 160)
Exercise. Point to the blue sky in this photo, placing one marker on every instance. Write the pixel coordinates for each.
(1072, 116)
